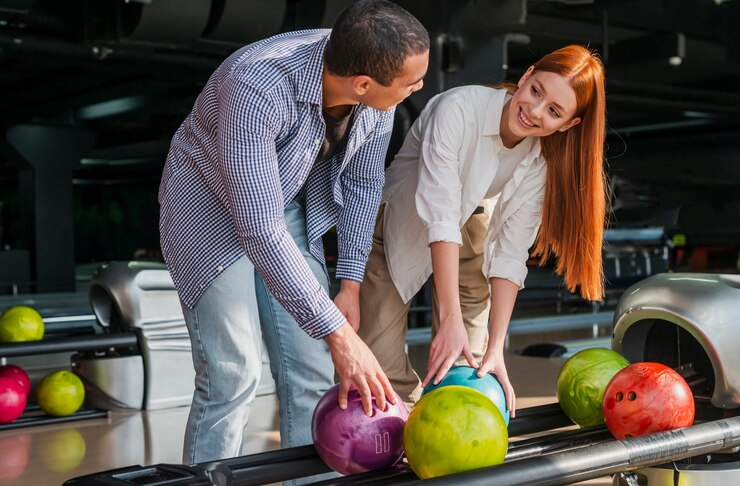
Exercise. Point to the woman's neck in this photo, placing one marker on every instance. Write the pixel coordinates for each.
(507, 137)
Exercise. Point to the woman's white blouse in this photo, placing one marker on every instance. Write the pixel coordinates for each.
(446, 167)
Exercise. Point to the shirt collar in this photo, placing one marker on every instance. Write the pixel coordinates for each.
(495, 105)
(310, 79)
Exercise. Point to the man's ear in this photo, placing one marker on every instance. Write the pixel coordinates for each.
(575, 121)
(525, 76)
(361, 84)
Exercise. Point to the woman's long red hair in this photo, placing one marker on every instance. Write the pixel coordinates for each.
(574, 213)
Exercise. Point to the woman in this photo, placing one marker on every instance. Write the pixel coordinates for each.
(533, 152)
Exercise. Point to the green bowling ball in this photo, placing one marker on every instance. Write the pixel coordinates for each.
(454, 429)
(582, 381)
(21, 323)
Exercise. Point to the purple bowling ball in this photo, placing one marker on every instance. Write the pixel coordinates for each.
(349, 441)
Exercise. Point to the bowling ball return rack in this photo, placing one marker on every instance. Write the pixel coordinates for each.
(132, 351)
(559, 457)
(64, 334)
(690, 322)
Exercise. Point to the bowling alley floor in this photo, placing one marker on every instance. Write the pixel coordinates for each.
(50, 454)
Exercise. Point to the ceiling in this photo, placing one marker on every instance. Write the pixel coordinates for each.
(129, 70)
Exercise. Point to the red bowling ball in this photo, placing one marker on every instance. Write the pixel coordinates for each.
(17, 373)
(349, 441)
(12, 400)
(647, 397)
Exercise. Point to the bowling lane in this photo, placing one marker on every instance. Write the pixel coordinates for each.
(48, 455)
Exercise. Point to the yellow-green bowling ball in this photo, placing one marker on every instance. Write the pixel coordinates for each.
(21, 323)
(454, 429)
(60, 393)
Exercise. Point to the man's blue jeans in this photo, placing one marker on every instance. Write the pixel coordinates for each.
(226, 328)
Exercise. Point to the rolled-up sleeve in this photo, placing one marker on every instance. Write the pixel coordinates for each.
(248, 165)
(362, 185)
(509, 250)
(438, 192)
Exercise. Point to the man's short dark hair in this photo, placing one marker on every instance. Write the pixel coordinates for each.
(374, 38)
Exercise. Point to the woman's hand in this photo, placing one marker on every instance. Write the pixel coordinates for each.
(450, 342)
(493, 362)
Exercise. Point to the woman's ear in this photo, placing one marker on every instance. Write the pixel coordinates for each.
(525, 76)
(575, 121)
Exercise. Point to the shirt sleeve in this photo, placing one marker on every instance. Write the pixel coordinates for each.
(509, 251)
(362, 186)
(248, 123)
(439, 190)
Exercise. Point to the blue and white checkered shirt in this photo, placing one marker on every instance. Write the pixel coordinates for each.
(243, 154)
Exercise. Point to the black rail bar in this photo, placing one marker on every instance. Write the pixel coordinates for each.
(80, 343)
(48, 419)
(602, 459)
(558, 442)
(299, 462)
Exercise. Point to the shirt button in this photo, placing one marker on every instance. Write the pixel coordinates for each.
(220, 268)
(316, 142)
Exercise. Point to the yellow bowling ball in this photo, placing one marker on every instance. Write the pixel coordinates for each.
(60, 393)
(454, 429)
(20, 323)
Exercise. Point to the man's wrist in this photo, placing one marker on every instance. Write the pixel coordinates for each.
(350, 286)
(339, 335)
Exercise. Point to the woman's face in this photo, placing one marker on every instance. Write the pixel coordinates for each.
(544, 103)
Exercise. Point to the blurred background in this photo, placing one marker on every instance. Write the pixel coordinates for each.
(92, 91)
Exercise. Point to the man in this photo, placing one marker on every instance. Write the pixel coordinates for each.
(287, 139)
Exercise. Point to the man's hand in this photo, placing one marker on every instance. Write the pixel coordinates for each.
(348, 302)
(356, 365)
(493, 362)
(449, 343)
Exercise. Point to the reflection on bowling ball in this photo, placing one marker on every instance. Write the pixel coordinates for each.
(13, 456)
(467, 376)
(60, 393)
(18, 374)
(645, 398)
(349, 441)
(61, 451)
(20, 323)
(12, 400)
(582, 381)
(454, 429)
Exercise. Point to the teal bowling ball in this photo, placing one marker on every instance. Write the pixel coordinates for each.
(467, 376)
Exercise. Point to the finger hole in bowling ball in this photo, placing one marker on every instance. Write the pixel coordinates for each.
(627, 436)
(620, 396)
(631, 396)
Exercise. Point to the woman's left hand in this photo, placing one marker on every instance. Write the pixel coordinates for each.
(493, 362)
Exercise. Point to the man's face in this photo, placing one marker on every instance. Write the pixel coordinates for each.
(411, 79)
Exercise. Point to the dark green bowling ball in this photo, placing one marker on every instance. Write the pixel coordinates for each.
(582, 381)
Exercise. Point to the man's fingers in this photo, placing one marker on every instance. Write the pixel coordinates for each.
(378, 392)
(367, 397)
(387, 388)
(344, 385)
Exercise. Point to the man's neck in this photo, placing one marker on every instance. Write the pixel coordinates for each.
(336, 98)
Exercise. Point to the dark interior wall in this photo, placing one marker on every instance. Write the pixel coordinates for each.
(128, 72)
